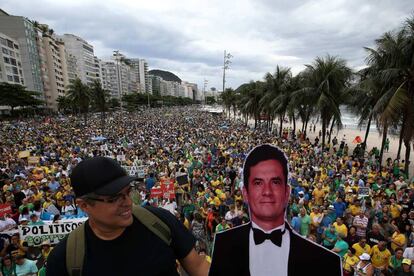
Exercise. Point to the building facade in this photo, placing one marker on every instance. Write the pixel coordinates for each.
(22, 31)
(10, 63)
(52, 54)
(84, 63)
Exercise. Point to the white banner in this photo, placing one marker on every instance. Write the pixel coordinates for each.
(34, 235)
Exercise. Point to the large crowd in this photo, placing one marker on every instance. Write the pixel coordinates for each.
(343, 201)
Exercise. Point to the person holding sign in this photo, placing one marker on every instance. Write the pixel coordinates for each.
(267, 245)
(117, 232)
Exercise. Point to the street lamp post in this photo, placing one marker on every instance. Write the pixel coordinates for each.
(204, 90)
(116, 54)
(226, 65)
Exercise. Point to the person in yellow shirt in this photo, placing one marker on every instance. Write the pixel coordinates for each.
(361, 247)
(398, 239)
(354, 208)
(37, 196)
(380, 256)
(319, 194)
(316, 218)
(349, 261)
(341, 228)
(395, 209)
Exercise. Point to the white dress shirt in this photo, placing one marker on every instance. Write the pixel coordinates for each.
(267, 258)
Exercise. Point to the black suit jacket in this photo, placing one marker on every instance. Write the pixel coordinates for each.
(231, 255)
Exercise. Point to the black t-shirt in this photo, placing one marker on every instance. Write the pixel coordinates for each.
(137, 251)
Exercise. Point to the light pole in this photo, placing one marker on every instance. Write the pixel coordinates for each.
(204, 90)
(118, 74)
(226, 65)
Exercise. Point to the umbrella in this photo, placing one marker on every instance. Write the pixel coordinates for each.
(357, 140)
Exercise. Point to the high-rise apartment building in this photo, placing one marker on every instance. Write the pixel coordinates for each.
(10, 64)
(53, 65)
(141, 70)
(22, 31)
(80, 50)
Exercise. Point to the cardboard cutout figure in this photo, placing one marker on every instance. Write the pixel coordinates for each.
(267, 245)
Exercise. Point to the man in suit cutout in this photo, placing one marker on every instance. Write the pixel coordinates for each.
(267, 245)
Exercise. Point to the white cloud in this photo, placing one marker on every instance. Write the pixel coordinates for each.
(188, 36)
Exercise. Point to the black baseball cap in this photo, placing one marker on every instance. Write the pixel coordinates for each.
(100, 175)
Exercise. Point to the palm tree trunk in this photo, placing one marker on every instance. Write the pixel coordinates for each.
(306, 123)
(407, 157)
(330, 130)
(367, 132)
(281, 125)
(401, 136)
(324, 123)
(400, 144)
(294, 124)
(384, 138)
(303, 125)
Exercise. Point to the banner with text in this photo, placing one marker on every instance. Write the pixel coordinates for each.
(34, 235)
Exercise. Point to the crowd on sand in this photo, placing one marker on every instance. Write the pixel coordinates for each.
(342, 200)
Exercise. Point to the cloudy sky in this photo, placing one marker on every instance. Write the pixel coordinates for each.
(188, 37)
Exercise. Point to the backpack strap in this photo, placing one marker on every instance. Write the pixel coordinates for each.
(75, 251)
(153, 223)
(75, 244)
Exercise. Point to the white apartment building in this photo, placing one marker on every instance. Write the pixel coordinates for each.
(83, 52)
(141, 70)
(10, 63)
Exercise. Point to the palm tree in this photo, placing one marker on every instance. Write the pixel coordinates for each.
(395, 59)
(301, 99)
(250, 95)
(228, 98)
(363, 96)
(64, 103)
(276, 95)
(100, 99)
(79, 94)
(326, 81)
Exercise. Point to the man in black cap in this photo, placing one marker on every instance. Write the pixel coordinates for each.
(115, 241)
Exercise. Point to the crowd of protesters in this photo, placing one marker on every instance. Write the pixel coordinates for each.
(343, 201)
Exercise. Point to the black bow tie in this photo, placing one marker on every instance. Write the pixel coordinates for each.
(275, 236)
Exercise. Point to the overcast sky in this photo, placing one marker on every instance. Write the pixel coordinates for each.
(188, 37)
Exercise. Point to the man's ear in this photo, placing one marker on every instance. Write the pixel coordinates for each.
(245, 195)
(82, 204)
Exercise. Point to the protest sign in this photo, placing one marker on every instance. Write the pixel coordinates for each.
(34, 235)
(156, 192)
(33, 160)
(167, 187)
(363, 192)
(165, 190)
(24, 154)
(140, 171)
(5, 209)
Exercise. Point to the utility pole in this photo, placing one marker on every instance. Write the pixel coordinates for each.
(116, 54)
(204, 90)
(226, 65)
